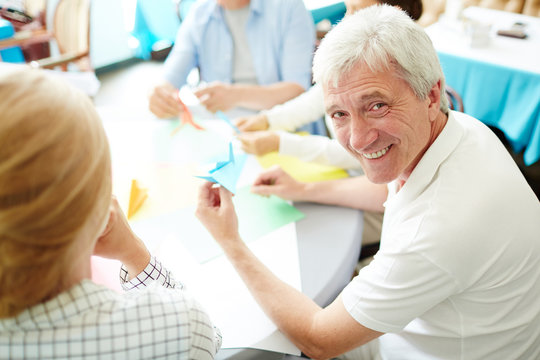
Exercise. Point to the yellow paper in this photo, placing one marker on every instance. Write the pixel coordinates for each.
(170, 187)
(137, 197)
(301, 170)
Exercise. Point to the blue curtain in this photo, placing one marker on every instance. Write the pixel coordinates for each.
(155, 20)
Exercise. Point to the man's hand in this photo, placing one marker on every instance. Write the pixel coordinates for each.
(217, 96)
(216, 212)
(164, 102)
(277, 182)
(119, 242)
(252, 123)
(259, 142)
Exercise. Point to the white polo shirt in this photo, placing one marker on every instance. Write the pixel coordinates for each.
(458, 272)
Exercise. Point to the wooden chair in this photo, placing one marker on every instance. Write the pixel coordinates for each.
(454, 99)
(70, 31)
(532, 7)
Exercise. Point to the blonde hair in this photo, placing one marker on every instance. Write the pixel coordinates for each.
(54, 178)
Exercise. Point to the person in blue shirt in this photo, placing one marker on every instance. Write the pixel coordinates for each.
(251, 53)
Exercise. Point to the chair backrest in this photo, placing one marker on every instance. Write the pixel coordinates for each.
(35, 8)
(72, 26)
(454, 99)
(434, 8)
(532, 8)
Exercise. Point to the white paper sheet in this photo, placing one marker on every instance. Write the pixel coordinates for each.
(221, 291)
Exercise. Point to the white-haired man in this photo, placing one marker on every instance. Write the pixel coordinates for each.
(458, 272)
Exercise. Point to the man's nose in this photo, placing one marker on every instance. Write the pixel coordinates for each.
(361, 133)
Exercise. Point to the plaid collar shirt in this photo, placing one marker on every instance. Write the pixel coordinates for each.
(155, 319)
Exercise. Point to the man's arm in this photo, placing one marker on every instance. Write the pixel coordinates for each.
(319, 333)
(219, 96)
(355, 192)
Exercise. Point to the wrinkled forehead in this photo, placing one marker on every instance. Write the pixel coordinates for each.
(359, 73)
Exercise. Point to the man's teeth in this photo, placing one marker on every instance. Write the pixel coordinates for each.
(377, 154)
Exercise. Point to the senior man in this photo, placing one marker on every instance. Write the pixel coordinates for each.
(458, 272)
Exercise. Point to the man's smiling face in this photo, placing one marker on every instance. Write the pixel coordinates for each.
(378, 118)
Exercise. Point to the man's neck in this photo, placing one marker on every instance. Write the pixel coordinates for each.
(436, 130)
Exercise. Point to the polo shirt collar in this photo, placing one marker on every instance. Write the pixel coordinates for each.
(426, 169)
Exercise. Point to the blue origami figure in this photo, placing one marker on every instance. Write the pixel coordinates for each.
(226, 173)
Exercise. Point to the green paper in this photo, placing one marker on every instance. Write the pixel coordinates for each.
(259, 215)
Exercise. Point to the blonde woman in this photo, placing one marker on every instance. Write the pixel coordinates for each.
(55, 213)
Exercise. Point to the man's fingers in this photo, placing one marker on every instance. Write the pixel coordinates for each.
(164, 106)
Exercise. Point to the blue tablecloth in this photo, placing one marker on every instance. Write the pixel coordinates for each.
(506, 98)
(13, 54)
(155, 20)
(333, 12)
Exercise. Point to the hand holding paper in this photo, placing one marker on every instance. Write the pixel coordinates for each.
(215, 210)
(275, 181)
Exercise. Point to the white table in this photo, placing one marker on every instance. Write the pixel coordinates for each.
(328, 238)
(522, 54)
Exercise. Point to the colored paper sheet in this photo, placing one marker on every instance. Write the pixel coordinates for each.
(226, 173)
(257, 217)
(106, 272)
(260, 215)
(301, 170)
(170, 187)
(221, 291)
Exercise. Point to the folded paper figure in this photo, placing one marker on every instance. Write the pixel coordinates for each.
(137, 196)
(226, 173)
(187, 118)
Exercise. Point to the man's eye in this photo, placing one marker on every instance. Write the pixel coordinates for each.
(378, 106)
(338, 115)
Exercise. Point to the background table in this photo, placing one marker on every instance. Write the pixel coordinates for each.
(499, 83)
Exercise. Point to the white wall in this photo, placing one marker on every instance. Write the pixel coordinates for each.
(108, 35)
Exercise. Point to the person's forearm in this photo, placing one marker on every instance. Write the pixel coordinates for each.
(299, 111)
(318, 149)
(355, 192)
(291, 311)
(259, 97)
(319, 333)
(136, 259)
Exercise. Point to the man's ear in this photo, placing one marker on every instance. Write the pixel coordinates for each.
(434, 97)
